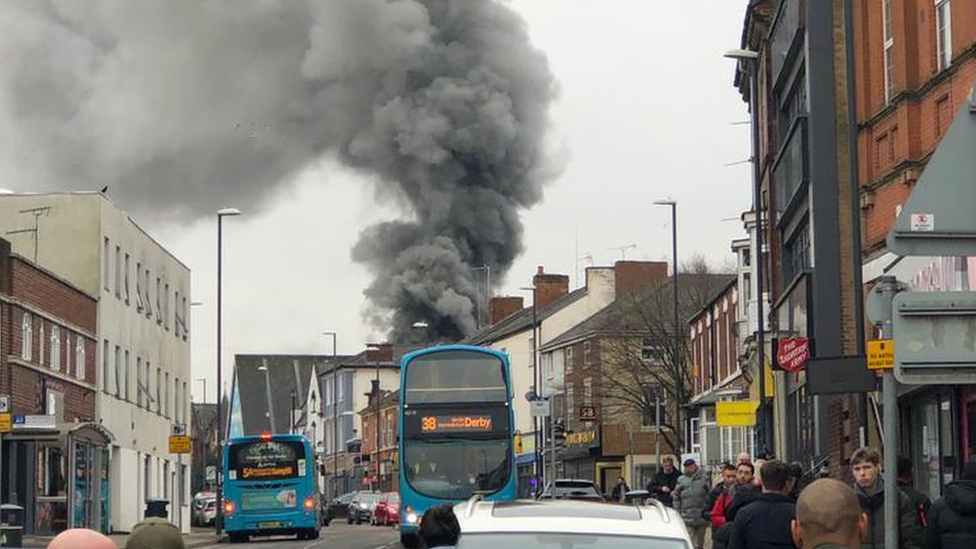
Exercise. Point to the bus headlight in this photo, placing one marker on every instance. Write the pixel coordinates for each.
(412, 518)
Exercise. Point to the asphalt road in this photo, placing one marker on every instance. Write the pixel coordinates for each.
(337, 535)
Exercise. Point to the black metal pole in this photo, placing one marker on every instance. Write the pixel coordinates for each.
(376, 462)
(219, 521)
(335, 418)
(674, 273)
(535, 381)
(762, 426)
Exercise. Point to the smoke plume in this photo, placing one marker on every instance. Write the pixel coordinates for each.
(182, 106)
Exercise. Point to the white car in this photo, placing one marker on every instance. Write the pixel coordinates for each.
(566, 524)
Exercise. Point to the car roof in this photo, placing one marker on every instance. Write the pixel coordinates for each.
(568, 516)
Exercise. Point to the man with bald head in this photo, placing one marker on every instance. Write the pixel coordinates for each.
(81, 538)
(828, 516)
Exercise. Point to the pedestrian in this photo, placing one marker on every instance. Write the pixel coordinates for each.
(155, 533)
(81, 538)
(743, 457)
(828, 516)
(869, 489)
(619, 491)
(690, 494)
(666, 478)
(439, 528)
(720, 497)
(920, 502)
(746, 490)
(766, 523)
(952, 518)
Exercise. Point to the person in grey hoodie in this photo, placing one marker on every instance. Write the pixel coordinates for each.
(690, 496)
(952, 518)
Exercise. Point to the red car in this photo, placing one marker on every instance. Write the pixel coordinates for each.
(387, 510)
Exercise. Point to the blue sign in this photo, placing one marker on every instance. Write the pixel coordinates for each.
(19, 420)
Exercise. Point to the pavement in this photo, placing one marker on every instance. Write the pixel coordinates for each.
(337, 535)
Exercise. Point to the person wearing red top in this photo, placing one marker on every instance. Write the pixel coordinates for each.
(722, 495)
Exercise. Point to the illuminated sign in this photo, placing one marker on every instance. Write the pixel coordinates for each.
(580, 437)
(264, 472)
(455, 424)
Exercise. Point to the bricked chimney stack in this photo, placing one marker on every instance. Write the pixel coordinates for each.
(503, 307)
(633, 276)
(379, 352)
(549, 287)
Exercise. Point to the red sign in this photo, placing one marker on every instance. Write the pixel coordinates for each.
(792, 353)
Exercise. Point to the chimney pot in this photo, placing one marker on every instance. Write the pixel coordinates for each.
(540, 270)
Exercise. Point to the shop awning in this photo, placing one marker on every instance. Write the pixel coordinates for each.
(93, 432)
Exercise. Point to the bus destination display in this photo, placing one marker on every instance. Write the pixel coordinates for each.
(456, 423)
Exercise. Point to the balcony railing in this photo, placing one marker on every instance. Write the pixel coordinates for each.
(785, 38)
(792, 167)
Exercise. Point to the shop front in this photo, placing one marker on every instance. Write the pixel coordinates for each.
(583, 450)
(58, 473)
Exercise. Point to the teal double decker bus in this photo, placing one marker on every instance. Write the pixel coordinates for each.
(270, 487)
(456, 425)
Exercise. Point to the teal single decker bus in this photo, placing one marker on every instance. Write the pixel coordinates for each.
(456, 426)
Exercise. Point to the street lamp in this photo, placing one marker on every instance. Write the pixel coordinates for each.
(335, 416)
(539, 467)
(207, 444)
(749, 60)
(221, 214)
(267, 391)
(674, 274)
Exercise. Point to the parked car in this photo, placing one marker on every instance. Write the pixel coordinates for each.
(339, 507)
(387, 509)
(204, 509)
(361, 507)
(565, 488)
(555, 524)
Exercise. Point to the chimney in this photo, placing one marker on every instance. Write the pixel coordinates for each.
(549, 287)
(503, 307)
(631, 276)
(379, 352)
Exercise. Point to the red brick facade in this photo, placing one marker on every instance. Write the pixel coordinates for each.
(898, 134)
(714, 342)
(49, 311)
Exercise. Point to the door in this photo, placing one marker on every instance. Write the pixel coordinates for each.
(608, 478)
(968, 429)
(83, 495)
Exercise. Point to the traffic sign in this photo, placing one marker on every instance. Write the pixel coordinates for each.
(211, 473)
(539, 408)
(518, 443)
(740, 413)
(179, 444)
(4, 423)
(881, 354)
(4, 404)
(178, 430)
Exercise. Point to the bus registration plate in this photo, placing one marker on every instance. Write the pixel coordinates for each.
(269, 524)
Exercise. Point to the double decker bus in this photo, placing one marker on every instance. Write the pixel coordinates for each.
(270, 487)
(456, 426)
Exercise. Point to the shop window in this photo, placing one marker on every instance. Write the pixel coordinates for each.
(50, 515)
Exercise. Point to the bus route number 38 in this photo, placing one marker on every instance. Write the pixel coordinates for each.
(428, 424)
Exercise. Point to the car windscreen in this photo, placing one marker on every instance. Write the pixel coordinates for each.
(565, 541)
(368, 498)
(455, 377)
(266, 459)
(456, 469)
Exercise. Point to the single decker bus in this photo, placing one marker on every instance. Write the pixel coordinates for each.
(270, 487)
(456, 426)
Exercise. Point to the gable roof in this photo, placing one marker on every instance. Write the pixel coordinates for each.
(286, 374)
(522, 320)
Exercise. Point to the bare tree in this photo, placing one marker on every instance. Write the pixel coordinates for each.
(644, 367)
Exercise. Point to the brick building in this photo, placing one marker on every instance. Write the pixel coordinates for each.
(388, 477)
(47, 367)
(915, 64)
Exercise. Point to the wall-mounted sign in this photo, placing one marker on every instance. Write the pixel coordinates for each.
(881, 354)
(46, 423)
(179, 444)
(580, 438)
(792, 353)
(736, 413)
(587, 413)
(4, 423)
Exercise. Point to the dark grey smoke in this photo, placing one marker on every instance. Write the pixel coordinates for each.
(182, 106)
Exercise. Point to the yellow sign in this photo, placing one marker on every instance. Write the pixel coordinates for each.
(740, 413)
(770, 383)
(179, 445)
(881, 354)
(580, 437)
(518, 444)
(4, 423)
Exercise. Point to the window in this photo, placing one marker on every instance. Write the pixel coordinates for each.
(149, 310)
(148, 386)
(118, 272)
(118, 372)
(176, 399)
(570, 404)
(341, 389)
(176, 314)
(126, 279)
(106, 264)
(166, 394)
(41, 342)
(80, 357)
(55, 348)
(185, 403)
(569, 360)
(128, 379)
(746, 257)
(166, 307)
(186, 330)
(159, 300)
(651, 351)
(943, 32)
(797, 253)
(159, 383)
(139, 305)
(586, 354)
(139, 382)
(588, 391)
(889, 54)
(27, 338)
(105, 366)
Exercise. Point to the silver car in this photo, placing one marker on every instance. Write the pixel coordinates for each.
(566, 524)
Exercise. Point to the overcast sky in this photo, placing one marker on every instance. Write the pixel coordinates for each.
(646, 111)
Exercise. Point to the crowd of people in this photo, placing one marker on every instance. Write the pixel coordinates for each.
(768, 510)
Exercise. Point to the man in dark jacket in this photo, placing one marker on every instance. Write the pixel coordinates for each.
(828, 517)
(869, 489)
(952, 518)
(766, 523)
(920, 501)
(662, 487)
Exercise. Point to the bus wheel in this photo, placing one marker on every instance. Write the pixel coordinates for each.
(409, 541)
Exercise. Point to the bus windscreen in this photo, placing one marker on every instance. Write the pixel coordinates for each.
(266, 460)
(455, 377)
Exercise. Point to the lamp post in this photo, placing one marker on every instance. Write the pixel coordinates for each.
(221, 214)
(539, 465)
(335, 416)
(205, 446)
(267, 392)
(674, 274)
(750, 60)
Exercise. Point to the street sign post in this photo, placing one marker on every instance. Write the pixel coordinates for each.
(539, 407)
